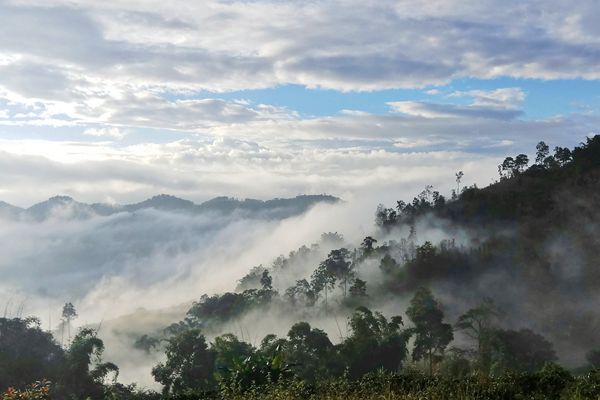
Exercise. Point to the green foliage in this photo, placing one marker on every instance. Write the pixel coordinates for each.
(432, 335)
(522, 350)
(84, 372)
(552, 383)
(375, 343)
(27, 353)
(302, 293)
(310, 352)
(189, 364)
(229, 352)
(256, 370)
(218, 309)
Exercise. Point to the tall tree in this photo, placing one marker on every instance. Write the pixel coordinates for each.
(321, 280)
(432, 335)
(479, 325)
(84, 372)
(542, 151)
(266, 281)
(68, 315)
(367, 245)
(459, 176)
(521, 162)
(337, 266)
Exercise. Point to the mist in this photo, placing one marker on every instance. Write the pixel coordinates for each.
(147, 266)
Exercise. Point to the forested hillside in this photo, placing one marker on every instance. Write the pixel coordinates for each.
(485, 293)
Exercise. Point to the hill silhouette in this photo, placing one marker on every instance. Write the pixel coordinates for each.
(66, 207)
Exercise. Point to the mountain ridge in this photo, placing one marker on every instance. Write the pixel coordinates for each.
(68, 207)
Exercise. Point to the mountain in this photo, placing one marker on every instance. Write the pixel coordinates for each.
(65, 207)
(163, 202)
(275, 208)
(8, 211)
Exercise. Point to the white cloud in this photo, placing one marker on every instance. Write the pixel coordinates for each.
(503, 98)
(503, 104)
(111, 132)
(436, 110)
(343, 155)
(346, 45)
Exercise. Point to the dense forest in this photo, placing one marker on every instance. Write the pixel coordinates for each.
(487, 293)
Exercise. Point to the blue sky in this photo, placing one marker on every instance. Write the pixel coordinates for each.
(120, 100)
(544, 98)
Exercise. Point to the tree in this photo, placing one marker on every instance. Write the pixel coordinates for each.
(505, 170)
(385, 218)
(270, 345)
(367, 245)
(388, 264)
(562, 155)
(189, 364)
(439, 201)
(542, 151)
(358, 289)
(522, 350)
(308, 350)
(217, 308)
(512, 167)
(459, 176)
(266, 281)
(321, 280)
(374, 343)
(68, 314)
(229, 351)
(400, 206)
(332, 238)
(146, 343)
(338, 262)
(478, 324)
(27, 353)
(79, 379)
(521, 162)
(302, 292)
(432, 335)
(426, 252)
(337, 266)
(252, 279)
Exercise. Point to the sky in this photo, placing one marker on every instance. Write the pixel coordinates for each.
(116, 101)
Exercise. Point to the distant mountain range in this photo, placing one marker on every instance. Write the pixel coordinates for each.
(65, 207)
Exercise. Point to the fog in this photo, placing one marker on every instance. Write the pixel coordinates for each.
(147, 266)
(130, 274)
